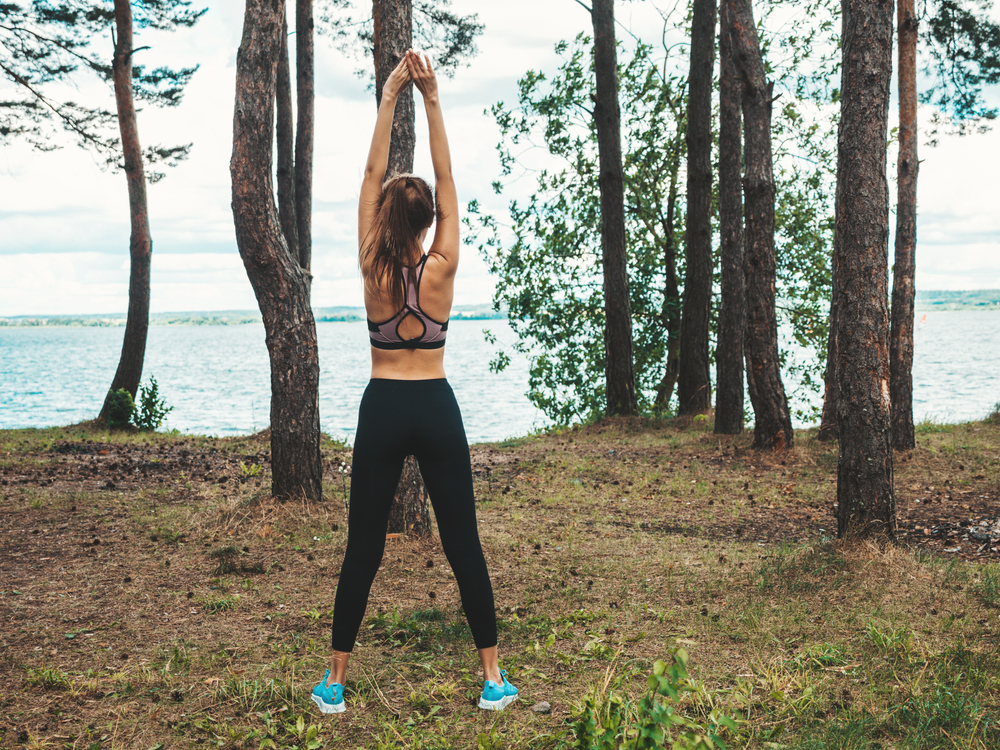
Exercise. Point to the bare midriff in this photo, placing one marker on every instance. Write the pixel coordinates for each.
(408, 364)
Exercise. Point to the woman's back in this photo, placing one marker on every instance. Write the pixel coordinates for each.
(385, 252)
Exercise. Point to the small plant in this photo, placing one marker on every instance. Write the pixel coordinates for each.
(249, 471)
(227, 557)
(890, 641)
(344, 471)
(121, 407)
(818, 656)
(612, 722)
(152, 409)
(994, 416)
(988, 587)
(48, 678)
(176, 660)
(222, 604)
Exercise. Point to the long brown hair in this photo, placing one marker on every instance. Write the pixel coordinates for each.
(405, 209)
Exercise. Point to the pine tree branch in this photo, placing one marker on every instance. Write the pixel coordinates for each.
(71, 123)
(50, 40)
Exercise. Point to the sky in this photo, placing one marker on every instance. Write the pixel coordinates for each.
(64, 226)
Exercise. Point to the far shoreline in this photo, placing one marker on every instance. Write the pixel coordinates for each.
(219, 318)
(930, 301)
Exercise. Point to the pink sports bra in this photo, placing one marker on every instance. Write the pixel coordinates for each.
(386, 335)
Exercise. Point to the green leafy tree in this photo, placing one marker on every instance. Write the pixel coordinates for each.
(548, 259)
(547, 256)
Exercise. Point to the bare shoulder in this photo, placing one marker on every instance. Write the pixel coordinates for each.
(441, 263)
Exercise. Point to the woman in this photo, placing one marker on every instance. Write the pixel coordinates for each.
(409, 407)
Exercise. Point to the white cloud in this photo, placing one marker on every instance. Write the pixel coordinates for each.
(64, 221)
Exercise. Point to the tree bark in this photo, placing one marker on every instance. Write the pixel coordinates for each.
(694, 387)
(284, 123)
(393, 37)
(305, 97)
(619, 366)
(129, 371)
(772, 420)
(410, 513)
(732, 313)
(279, 282)
(866, 504)
(903, 290)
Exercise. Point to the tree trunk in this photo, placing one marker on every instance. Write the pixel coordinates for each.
(619, 367)
(409, 513)
(732, 313)
(279, 282)
(129, 371)
(304, 96)
(671, 310)
(901, 331)
(866, 504)
(831, 389)
(772, 420)
(393, 37)
(694, 388)
(286, 148)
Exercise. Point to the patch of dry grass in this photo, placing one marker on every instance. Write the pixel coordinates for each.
(609, 546)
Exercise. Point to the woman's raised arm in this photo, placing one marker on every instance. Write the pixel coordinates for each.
(446, 242)
(378, 153)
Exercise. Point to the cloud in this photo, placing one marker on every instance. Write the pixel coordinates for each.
(65, 223)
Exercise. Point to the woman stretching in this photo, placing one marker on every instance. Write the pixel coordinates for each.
(409, 407)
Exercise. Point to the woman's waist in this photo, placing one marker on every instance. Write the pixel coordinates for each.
(407, 364)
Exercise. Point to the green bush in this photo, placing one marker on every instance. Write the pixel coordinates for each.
(613, 722)
(152, 409)
(121, 407)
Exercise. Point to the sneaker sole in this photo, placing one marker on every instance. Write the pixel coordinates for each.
(496, 705)
(329, 708)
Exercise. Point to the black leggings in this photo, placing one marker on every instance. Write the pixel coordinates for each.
(399, 418)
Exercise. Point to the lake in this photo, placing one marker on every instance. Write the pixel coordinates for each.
(217, 377)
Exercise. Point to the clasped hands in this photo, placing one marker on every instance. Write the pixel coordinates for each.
(413, 68)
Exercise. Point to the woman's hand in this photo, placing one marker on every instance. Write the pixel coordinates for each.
(397, 80)
(422, 74)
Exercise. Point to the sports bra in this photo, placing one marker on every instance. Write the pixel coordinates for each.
(386, 335)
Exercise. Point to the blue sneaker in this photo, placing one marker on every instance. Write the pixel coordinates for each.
(329, 699)
(496, 697)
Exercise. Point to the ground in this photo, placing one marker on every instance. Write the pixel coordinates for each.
(152, 594)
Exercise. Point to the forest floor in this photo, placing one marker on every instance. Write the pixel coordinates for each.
(153, 596)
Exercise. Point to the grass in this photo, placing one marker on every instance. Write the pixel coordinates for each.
(201, 615)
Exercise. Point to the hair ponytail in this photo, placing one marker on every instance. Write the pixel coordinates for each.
(405, 209)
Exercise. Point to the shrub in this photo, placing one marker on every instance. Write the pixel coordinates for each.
(152, 409)
(121, 407)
